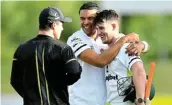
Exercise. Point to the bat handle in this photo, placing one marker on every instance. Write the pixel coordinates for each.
(148, 102)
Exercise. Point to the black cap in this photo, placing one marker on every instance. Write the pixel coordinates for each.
(52, 14)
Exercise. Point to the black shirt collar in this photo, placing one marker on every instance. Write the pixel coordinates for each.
(44, 36)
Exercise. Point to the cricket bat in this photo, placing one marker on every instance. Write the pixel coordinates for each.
(149, 83)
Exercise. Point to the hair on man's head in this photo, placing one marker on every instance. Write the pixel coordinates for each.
(106, 15)
(89, 6)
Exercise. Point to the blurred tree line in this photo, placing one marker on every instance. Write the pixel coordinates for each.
(19, 23)
(155, 29)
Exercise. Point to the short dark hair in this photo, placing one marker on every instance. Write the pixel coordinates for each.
(107, 15)
(46, 26)
(89, 5)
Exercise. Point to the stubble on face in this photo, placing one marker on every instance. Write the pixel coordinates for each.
(86, 19)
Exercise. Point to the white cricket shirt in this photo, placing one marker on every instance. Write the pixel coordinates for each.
(90, 89)
(116, 74)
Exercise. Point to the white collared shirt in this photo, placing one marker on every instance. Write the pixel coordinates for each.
(90, 89)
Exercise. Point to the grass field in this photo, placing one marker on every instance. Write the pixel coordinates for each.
(15, 99)
(162, 100)
(162, 81)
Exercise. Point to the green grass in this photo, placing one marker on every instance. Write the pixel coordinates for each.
(162, 78)
(162, 81)
(162, 100)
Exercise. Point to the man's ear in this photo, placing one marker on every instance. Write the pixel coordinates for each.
(113, 26)
(52, 25)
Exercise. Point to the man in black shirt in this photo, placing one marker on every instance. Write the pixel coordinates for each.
(43, 67)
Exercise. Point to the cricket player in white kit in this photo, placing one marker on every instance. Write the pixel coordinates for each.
(90, 89)
(118, 72)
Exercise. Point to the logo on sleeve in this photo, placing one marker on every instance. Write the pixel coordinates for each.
(75, 44)
(76, 39)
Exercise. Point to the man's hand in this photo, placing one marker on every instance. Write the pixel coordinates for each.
(132, 37)
(135, 48)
